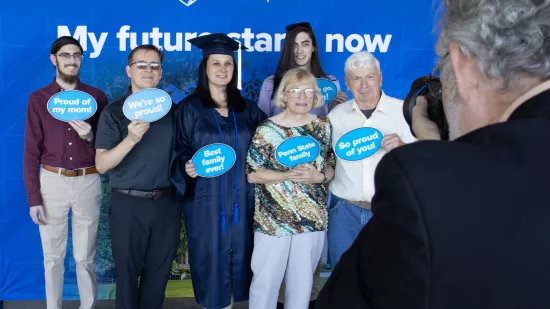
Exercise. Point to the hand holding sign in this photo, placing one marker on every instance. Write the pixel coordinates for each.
(341, 97)
(212, 160)
(83, 129)
(72, 105)
(190, 169)
(358, 144)
(391, 141)
(297, 150)
(147, 104)
(136, 130)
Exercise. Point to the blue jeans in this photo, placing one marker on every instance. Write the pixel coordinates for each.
(345, 221)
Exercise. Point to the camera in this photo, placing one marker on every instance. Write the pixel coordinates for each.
(430, 88)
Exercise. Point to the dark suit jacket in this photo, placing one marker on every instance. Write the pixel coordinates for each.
(457, 225)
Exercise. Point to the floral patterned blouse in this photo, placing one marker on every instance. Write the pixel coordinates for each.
(289, 207)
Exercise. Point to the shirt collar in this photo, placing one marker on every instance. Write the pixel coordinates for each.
(522, 99)
(55, 87)
(382, 105)
(128, 92)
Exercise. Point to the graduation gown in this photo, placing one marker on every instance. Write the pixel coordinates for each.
(220, 261)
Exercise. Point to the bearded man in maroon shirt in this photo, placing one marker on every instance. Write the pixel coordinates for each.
(59, 175)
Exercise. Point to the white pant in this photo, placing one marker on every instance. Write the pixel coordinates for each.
(82, 195)
(292, 257)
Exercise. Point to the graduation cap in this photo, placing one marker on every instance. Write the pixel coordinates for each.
(219, 43)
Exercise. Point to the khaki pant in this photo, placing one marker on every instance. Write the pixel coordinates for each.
(82, 195)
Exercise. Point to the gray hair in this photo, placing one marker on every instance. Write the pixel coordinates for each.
(292, 78)
(509, 39)
(362, 59)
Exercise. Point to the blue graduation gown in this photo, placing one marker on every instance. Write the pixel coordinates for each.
(220, 261)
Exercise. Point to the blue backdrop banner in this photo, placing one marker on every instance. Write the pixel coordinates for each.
(398, 32)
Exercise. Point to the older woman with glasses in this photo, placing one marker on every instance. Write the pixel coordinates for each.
(291, 215)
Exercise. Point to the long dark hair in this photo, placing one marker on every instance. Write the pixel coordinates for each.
(287, 61)
(234, 97)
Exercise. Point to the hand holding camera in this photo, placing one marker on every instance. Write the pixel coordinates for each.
(423, 109)
(422, 126)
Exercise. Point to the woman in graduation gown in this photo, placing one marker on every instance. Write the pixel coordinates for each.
(218, 211)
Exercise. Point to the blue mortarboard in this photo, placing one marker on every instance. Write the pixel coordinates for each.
(216, 43)
(219, 43)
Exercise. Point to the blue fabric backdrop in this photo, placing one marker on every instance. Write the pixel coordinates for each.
(398, 32)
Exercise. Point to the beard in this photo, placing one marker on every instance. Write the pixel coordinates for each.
(68, 78)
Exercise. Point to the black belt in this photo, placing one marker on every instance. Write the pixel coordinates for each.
(362, 204)
(155, 194)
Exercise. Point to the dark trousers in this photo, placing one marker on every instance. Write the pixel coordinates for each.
(145, 235)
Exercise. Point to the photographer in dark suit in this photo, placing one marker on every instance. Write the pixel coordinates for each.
(466, 223)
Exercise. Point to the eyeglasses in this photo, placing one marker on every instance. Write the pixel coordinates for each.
(298, 25)
(295, 93)
(67, 56)
(142, 65)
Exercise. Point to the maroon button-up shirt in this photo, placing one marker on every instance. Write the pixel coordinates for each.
(54, 142)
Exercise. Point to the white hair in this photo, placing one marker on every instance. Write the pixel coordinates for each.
(509, 39)
(362, 59)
